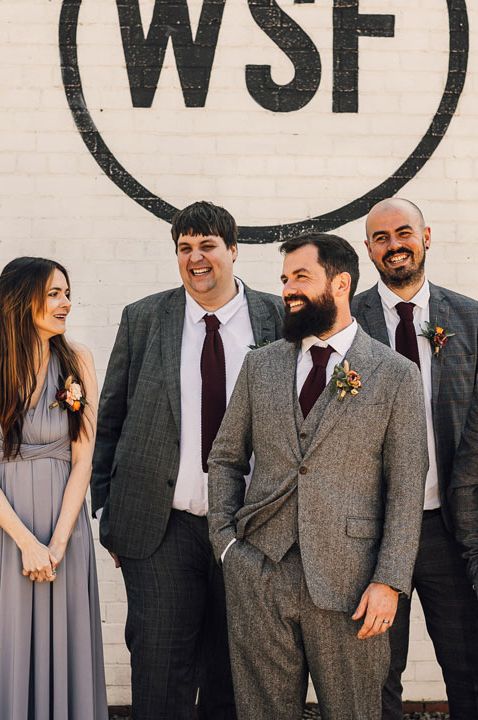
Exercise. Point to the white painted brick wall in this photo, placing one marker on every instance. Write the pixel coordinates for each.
(266, 168)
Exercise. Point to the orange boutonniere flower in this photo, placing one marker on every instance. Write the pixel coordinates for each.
(437, 336)
(346, 380)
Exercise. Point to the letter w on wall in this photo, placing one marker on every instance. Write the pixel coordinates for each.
(144, 54)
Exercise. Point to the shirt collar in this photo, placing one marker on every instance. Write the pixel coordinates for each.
(390, 299)
(223, 314)
(340, 342)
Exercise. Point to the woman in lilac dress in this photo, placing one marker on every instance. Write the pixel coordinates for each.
(51, 656)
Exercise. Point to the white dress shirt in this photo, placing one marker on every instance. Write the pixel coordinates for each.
(236, 333)
(421, 315)
(340, 342)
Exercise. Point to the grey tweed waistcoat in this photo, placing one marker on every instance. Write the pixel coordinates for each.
(286, 517)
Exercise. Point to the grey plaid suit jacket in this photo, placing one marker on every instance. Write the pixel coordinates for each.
(136, 457)
(463, 492)
(359, 485)
(453, 369)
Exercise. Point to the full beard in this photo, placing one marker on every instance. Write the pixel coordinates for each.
(402, 277)
(315, 318)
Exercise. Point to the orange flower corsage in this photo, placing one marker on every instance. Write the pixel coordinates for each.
(437, 336)
(70, 397)
(346, 381)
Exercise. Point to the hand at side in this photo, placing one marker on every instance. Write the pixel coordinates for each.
(378, 604)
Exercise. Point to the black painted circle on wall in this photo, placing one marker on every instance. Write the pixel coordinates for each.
(457, 67)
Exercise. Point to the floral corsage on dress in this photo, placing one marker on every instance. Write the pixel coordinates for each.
(70, 397)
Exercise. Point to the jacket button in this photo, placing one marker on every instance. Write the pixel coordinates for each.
(170, 482)
(303, 470)
(303, 435)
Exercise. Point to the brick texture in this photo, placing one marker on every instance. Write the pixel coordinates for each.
(268, 168)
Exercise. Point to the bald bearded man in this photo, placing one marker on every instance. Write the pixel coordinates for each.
(397, 311)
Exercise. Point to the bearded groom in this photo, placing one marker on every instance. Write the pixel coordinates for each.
(318, 550)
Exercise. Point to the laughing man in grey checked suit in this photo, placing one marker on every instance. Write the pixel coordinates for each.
(397, 242)
(317, 550)
(150, 466)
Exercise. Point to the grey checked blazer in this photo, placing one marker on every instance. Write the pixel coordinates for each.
(463, 492)
(360, 483)
(453, 369)
(136, 458)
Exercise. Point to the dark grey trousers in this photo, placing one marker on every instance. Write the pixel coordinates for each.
(451, 614)
(277, 636)
(176, 629)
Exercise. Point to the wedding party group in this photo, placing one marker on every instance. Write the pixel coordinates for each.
(273, 477)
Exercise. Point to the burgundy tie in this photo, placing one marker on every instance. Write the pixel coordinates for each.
(315, 381)
(405, 334)
(213, 396)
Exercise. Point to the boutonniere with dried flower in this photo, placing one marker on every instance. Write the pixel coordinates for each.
(437, 336)
(346, 380)
(70, 397)
(260, 344)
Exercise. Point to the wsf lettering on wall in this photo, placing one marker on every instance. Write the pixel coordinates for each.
(302, 78)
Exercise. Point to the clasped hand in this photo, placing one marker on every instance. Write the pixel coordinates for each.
(39, 561)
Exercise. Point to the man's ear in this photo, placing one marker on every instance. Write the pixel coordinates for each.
(366, 242)
(234, 253)
(342, 283)
(427, 237)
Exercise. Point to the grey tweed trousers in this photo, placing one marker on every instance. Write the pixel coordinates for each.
(277, 636)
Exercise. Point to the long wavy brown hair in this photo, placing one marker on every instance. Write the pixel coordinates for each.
(23, 291)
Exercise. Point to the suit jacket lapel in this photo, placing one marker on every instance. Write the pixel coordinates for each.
(263, 327)
(439, 312)
(374, 319)
(361, 359)
(283, 372)
(171, 333)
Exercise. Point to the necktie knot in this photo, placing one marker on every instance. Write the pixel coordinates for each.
(212, 323)
(321, 355)
(405, 311)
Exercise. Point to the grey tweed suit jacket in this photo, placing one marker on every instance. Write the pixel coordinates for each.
(359, 485)
(136, 458)
(453, 370)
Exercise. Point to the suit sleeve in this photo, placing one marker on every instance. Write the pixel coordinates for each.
(111, 415)
(405, 465)
(228, 464)
(463, 491)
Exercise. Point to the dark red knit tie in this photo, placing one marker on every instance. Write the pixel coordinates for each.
(315, 381)
(213, 397)
(405, 334)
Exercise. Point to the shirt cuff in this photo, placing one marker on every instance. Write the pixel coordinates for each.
(227, 548)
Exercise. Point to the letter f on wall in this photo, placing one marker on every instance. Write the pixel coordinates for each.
(144, 54)
(349, 25)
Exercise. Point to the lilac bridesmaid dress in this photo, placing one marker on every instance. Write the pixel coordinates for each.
(51, 653)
